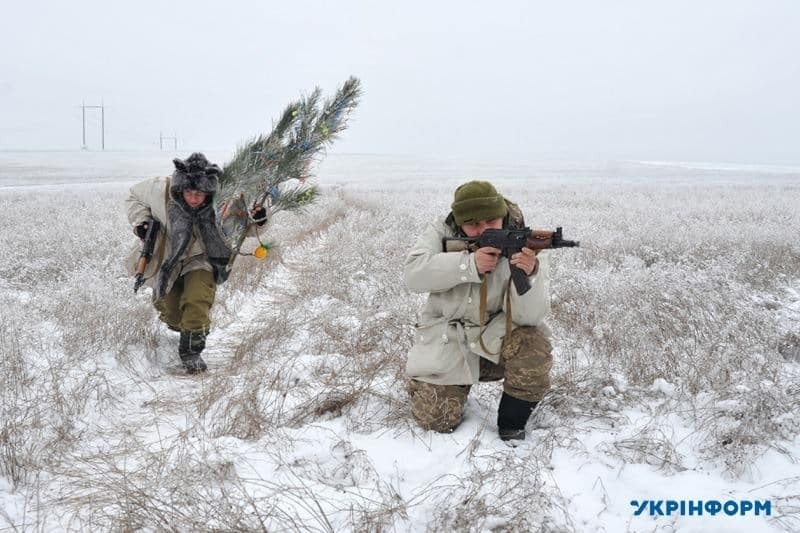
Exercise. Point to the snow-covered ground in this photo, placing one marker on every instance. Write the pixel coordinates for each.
(676, 343)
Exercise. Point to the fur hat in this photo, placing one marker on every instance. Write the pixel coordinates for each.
(477, 200)
(195, 173)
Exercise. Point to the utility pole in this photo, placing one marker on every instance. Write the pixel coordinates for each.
(162, 138)
(102, 109)
(102, 126)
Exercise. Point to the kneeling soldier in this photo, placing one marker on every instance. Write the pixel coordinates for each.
(468, 290)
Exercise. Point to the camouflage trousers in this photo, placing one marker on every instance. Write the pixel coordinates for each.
(187, 306)
(524, 365)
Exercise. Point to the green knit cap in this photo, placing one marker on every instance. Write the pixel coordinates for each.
(477, 200)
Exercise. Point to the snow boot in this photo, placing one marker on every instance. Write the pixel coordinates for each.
(191, 344)
(512, 415)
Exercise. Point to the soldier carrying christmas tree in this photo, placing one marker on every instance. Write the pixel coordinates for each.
(191, 257)
(205, 212)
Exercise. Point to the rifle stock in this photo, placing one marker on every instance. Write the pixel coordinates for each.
(148, 244)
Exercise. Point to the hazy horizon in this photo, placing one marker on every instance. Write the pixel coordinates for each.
(710, 82)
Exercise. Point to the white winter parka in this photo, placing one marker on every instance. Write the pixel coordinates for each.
(446, 347)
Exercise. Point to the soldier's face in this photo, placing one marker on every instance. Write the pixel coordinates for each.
(476, 229)
(193, 199)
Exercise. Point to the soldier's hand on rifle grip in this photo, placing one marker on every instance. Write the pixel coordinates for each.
(526, 260)
(486, 259)
(141, 230)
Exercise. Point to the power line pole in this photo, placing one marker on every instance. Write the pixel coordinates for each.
(162, 138)
(102, 109)
(102, 126)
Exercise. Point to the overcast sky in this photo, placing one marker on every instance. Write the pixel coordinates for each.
(592, 80)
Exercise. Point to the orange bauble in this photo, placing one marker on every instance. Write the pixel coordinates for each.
(261, 252)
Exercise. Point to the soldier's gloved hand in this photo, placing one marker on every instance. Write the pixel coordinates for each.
(140, 230)
(259, 214)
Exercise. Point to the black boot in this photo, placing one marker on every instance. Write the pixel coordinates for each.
(191, 344)
(512, 415)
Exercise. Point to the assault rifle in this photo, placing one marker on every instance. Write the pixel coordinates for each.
(148, 243)
(511, 241)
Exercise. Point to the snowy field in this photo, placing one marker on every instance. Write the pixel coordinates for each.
(677, 359)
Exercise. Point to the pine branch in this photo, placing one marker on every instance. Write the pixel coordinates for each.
(250, 163)
(314, 135)
(295, 198)
(294, 145)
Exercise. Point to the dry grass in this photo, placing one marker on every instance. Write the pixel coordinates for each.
(503, 492)
(677, 282)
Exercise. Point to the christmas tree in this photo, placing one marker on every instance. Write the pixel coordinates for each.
(260, 169)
